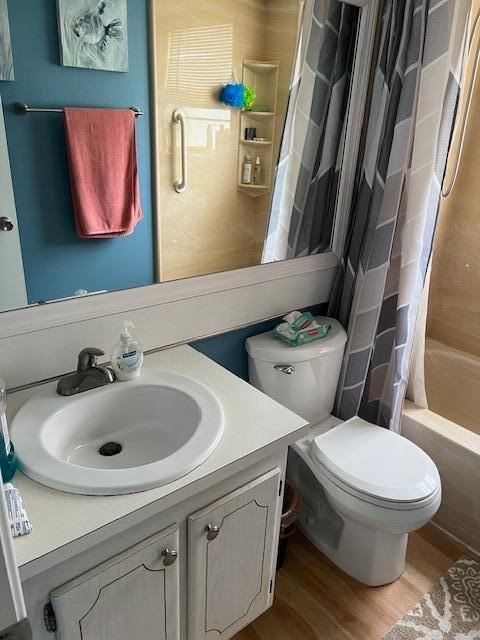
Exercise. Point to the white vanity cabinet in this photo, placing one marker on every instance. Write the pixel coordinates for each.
(232, 551)
(207, 576)
(133, 595)
(94, 566)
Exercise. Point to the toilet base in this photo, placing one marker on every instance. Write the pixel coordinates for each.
(373, 558)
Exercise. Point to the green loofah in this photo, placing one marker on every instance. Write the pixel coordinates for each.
(248, 97)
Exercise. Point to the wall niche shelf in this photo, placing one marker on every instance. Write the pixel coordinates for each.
(259, 115)
(256, 143)
(259, 67)
(254, 190)
(262, 76)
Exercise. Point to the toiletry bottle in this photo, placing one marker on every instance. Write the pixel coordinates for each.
(247, 170)
(127, 355)
(257, 171)
(8, 461)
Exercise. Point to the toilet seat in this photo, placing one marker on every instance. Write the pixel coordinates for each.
(329, 480)
(376, 465)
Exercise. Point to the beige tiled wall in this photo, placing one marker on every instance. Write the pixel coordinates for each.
(211, 226)
(454, 304)
(452, 360)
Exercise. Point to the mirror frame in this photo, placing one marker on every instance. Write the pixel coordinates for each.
(15, 323)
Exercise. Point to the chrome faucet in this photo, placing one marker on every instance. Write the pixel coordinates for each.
(89, 375)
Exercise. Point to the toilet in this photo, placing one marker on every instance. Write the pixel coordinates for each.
(363, 488)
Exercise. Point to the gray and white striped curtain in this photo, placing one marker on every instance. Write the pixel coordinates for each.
(305, 190)
(378, 291)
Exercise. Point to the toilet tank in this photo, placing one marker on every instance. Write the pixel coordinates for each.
(309, 389)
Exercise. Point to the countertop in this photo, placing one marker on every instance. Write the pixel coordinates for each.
(253, 423)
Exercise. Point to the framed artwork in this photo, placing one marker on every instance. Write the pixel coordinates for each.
(93, 34)
(6, 61)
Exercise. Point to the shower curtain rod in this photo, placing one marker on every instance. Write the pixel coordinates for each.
(22, 109)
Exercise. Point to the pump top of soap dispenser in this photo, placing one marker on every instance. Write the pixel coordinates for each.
(3, 396)
(127, 325)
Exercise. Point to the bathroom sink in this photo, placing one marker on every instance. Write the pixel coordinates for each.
(120, 438)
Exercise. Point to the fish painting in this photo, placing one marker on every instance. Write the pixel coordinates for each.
(91, 30)
(93, 34)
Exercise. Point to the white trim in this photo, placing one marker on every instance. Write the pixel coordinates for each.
(154, 129)
(41, 317)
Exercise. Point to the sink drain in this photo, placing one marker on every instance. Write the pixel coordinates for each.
(110, 449)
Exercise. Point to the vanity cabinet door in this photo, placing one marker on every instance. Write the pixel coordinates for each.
(133, 596)
(232, 551)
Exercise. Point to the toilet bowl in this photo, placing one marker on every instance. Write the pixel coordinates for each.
(363, 488)
(366, 508)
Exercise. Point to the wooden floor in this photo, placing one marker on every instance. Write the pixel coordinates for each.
(316, 601)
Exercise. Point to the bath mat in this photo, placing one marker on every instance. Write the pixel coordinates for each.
(450, 611)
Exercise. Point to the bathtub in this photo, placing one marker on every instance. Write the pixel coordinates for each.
(449, 431)
(452, 379)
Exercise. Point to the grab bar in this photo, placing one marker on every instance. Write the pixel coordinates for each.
(445, 191)
(178, 117)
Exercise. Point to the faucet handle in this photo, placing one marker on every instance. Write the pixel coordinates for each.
(87, 358)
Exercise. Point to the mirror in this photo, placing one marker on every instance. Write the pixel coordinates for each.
(222, 187)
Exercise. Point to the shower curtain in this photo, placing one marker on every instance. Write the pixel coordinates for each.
(306, 179)
(379, 288)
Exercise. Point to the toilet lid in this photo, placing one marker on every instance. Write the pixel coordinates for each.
(376, 462)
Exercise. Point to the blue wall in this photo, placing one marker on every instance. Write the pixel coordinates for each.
(228, 349)
(56, 261)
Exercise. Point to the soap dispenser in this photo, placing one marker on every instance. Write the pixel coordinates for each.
(8, 460)
(127, 355)
(257, 171)
(247, 170)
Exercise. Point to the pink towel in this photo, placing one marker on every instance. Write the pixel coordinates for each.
(103, 171)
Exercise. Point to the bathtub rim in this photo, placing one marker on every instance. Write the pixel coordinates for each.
(413, 415)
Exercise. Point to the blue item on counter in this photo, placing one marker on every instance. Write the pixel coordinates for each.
(8, 459)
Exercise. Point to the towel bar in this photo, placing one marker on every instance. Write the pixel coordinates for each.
(22, 109)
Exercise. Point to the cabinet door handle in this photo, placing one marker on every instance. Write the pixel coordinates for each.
(169, 557)
(212, 531)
